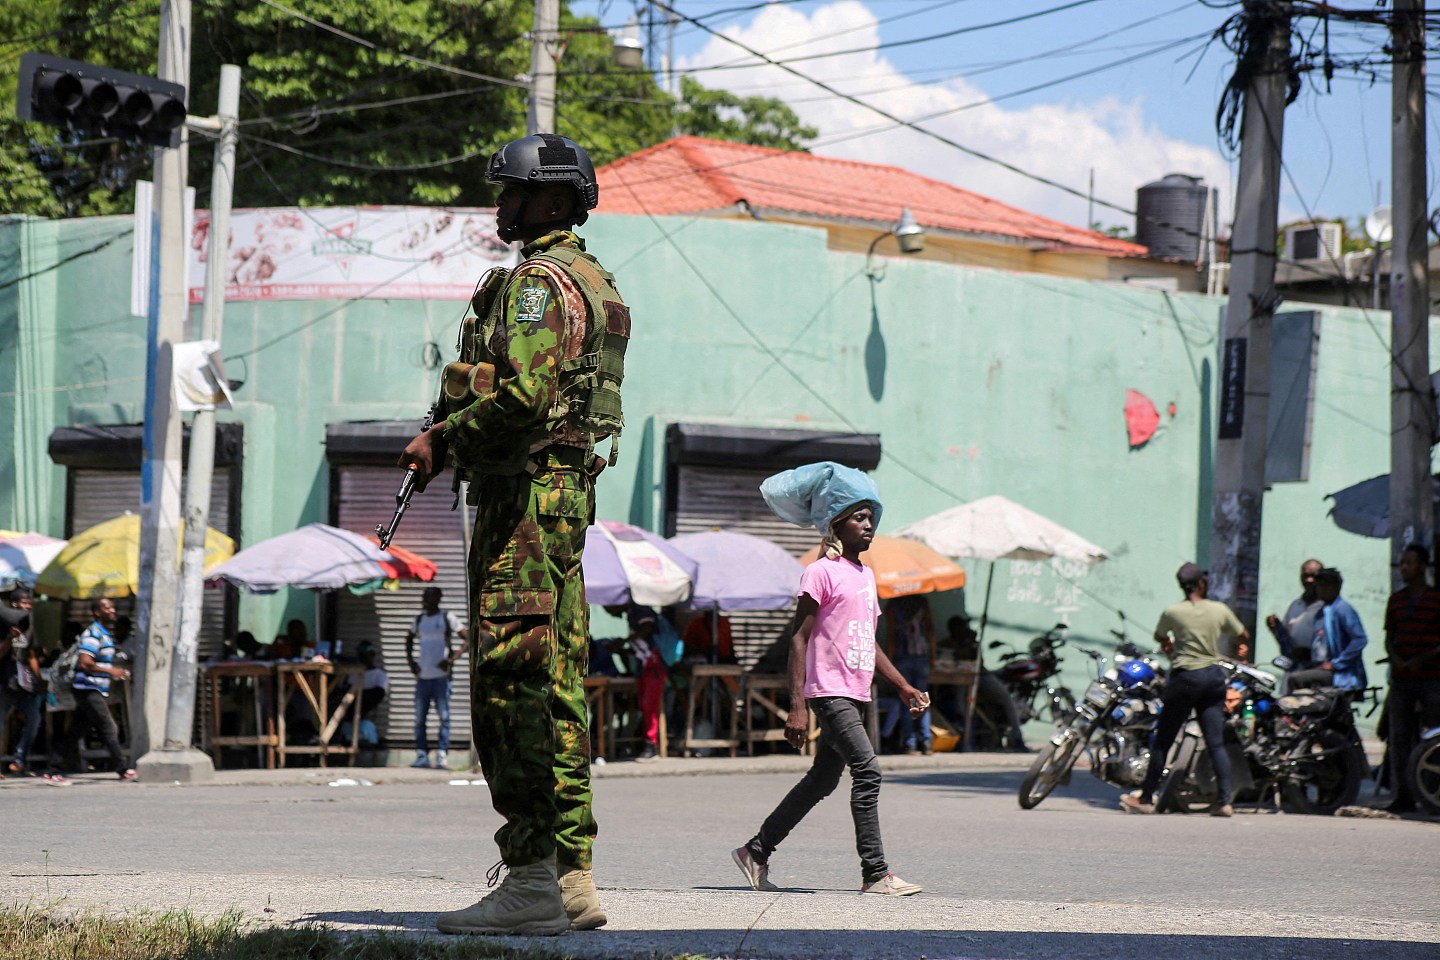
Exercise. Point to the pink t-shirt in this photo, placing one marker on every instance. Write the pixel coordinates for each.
(840, 657)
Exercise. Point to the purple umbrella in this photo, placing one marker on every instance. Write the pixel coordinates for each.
(740, 572)
(624, 563)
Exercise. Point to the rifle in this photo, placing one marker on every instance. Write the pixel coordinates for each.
(406, 491)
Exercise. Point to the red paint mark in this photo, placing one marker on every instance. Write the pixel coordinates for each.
(1141, 418)
(1171, 409)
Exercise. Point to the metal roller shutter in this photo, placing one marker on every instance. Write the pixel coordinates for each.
(364, 497)
(722, 498)
(97, 495)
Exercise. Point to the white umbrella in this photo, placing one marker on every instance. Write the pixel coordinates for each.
(994, 528)
(23, 557)
(315, 557)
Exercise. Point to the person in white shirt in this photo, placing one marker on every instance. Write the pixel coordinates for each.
(440, 635)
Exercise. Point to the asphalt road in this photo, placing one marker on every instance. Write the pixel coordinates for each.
(1074, 878)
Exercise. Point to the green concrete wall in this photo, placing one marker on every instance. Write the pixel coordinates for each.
(978, 382)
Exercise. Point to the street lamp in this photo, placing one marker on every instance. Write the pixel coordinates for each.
(908, 232)
(627, 50)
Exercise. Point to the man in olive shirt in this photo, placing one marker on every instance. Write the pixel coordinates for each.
(1189, 633)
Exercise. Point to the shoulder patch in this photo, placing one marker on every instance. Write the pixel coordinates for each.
(531, 302)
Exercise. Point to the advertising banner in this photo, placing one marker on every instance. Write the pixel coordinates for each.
(338, 253)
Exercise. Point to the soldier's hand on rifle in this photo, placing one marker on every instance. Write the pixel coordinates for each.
(427, 453)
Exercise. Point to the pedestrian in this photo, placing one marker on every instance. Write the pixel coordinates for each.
(536, 388)
(833, 658)
(21, 688)
(1412, 642)
(1295, 632)
(440, 634)
(1189, 632)
(911, 640)
(648, 632)
(94, 673)
(1339, 641)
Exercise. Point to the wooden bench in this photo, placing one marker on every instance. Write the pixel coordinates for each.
(720, 687)
(256, 682)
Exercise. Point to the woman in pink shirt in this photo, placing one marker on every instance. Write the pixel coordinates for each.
(833, 657)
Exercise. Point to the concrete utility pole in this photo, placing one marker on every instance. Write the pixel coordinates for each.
(544, 37)
(1245, 370)
(160, 471)
(178, 757)
(1412, 407)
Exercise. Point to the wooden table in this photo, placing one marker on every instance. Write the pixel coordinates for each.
(710, 681)
(311, 679)
(257, 680)
(962, 676)
(760, 690)
(602, 693)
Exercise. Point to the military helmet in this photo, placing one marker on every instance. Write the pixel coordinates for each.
(545, 158)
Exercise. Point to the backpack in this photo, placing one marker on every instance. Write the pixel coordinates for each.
(667, 642)
(62, 677)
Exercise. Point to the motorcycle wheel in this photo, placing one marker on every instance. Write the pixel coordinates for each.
(1049, 768)
(1327, 775)
(1180, 791)
(1423, 769)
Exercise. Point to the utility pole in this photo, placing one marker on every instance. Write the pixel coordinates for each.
(183, 762)
(544, 36)
(1412, 406)
(160, 471)
(1245, 370)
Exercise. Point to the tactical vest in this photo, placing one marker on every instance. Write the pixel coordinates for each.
(587, 397)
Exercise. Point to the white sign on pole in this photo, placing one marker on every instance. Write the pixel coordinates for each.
(200, 382)
(315, 253)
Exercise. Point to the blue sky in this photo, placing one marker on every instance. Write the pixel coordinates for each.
(1147, 109)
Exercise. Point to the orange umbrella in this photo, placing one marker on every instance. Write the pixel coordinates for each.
(903, 567)
(406, 565)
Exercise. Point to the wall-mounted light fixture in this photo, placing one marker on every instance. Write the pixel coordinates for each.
(908, 232)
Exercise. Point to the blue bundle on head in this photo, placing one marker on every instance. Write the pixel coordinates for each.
(817, 493)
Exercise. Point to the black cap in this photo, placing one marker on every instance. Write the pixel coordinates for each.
(1191, 573)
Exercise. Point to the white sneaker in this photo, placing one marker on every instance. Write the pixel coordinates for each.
(442, 760)
(421, 761)
(892, 886)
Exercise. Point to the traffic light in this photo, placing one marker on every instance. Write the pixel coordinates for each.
(99, 100)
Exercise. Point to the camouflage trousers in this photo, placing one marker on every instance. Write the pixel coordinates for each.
(529, 656)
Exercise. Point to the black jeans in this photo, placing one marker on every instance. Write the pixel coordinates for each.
(1202, 691)
(91, 712)
(1414, 706)
(843, 743)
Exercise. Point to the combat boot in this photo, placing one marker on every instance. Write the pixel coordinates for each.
(527, 903)
(582, 902)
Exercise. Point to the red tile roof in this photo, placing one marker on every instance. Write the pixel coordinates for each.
(689, 175)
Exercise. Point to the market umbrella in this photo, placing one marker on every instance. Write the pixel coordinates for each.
(994, 528)
(903, 567)
(315, 557)
(624, 563)
(406, 564)
(739, 571)
(24, 555)
(104, 561)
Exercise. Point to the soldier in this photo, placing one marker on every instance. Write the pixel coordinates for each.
(536, 387)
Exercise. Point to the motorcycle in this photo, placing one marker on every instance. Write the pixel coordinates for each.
(1301, 748)
(1030, 676)
(1423, 769)
(1118, 712)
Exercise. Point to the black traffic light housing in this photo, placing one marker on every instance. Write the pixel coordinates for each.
(99, 100)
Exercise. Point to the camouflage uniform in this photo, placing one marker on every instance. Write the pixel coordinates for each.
(535, 498)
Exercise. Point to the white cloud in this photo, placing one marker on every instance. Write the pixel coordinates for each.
(1061, 141)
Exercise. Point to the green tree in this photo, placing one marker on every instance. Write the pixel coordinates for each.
(721, 115)
(406, 107)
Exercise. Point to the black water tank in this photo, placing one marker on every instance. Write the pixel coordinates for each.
(1170, 216)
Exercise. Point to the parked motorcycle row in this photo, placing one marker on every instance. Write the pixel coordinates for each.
(1301, 751)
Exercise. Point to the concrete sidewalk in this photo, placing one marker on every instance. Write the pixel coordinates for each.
(659, 767)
